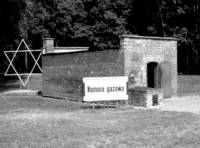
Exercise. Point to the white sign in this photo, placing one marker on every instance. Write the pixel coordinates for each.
(105, 88)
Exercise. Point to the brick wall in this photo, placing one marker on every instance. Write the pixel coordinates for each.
(63, 72)
(140, 50)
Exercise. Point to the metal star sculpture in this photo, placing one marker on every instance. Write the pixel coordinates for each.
(11, 59)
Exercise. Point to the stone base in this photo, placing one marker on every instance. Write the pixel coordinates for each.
(145, 97)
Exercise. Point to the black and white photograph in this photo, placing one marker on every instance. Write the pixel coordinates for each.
(100, 74)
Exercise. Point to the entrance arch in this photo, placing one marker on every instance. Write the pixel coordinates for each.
(152, 75)
(159, 76)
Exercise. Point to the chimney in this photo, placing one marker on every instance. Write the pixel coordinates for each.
(48, 45)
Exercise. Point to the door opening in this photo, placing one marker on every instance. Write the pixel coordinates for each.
(152, 74)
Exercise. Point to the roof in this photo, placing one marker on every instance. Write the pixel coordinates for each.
(67, 50)
(148, 37)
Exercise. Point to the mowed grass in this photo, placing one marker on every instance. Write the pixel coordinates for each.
(37, 103)
(38, 122)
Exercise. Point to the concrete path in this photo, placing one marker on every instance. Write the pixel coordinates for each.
(20, 93)
(181, 104)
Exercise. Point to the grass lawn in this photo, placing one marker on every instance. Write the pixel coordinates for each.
(38, 122)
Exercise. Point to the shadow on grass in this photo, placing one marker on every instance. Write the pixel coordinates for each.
(104, 104)
(10, 104)
(9, 83)
(97, 106)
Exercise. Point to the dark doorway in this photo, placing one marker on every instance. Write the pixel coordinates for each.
(152, 74)
(159, 76)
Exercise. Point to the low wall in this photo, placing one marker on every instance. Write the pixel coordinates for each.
(145, 97)
(188, 84)
(63, 72)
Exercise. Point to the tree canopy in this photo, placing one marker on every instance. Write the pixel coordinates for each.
(99, 24)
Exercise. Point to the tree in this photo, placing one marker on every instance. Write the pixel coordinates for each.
(10, 13)
(97, 24)
(106, 20)
(176, 18)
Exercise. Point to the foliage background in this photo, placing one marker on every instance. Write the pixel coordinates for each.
(99, 24)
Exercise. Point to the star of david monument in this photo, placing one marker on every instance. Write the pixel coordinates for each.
(23, 62)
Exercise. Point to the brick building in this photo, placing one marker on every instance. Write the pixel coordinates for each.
(152, 61)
